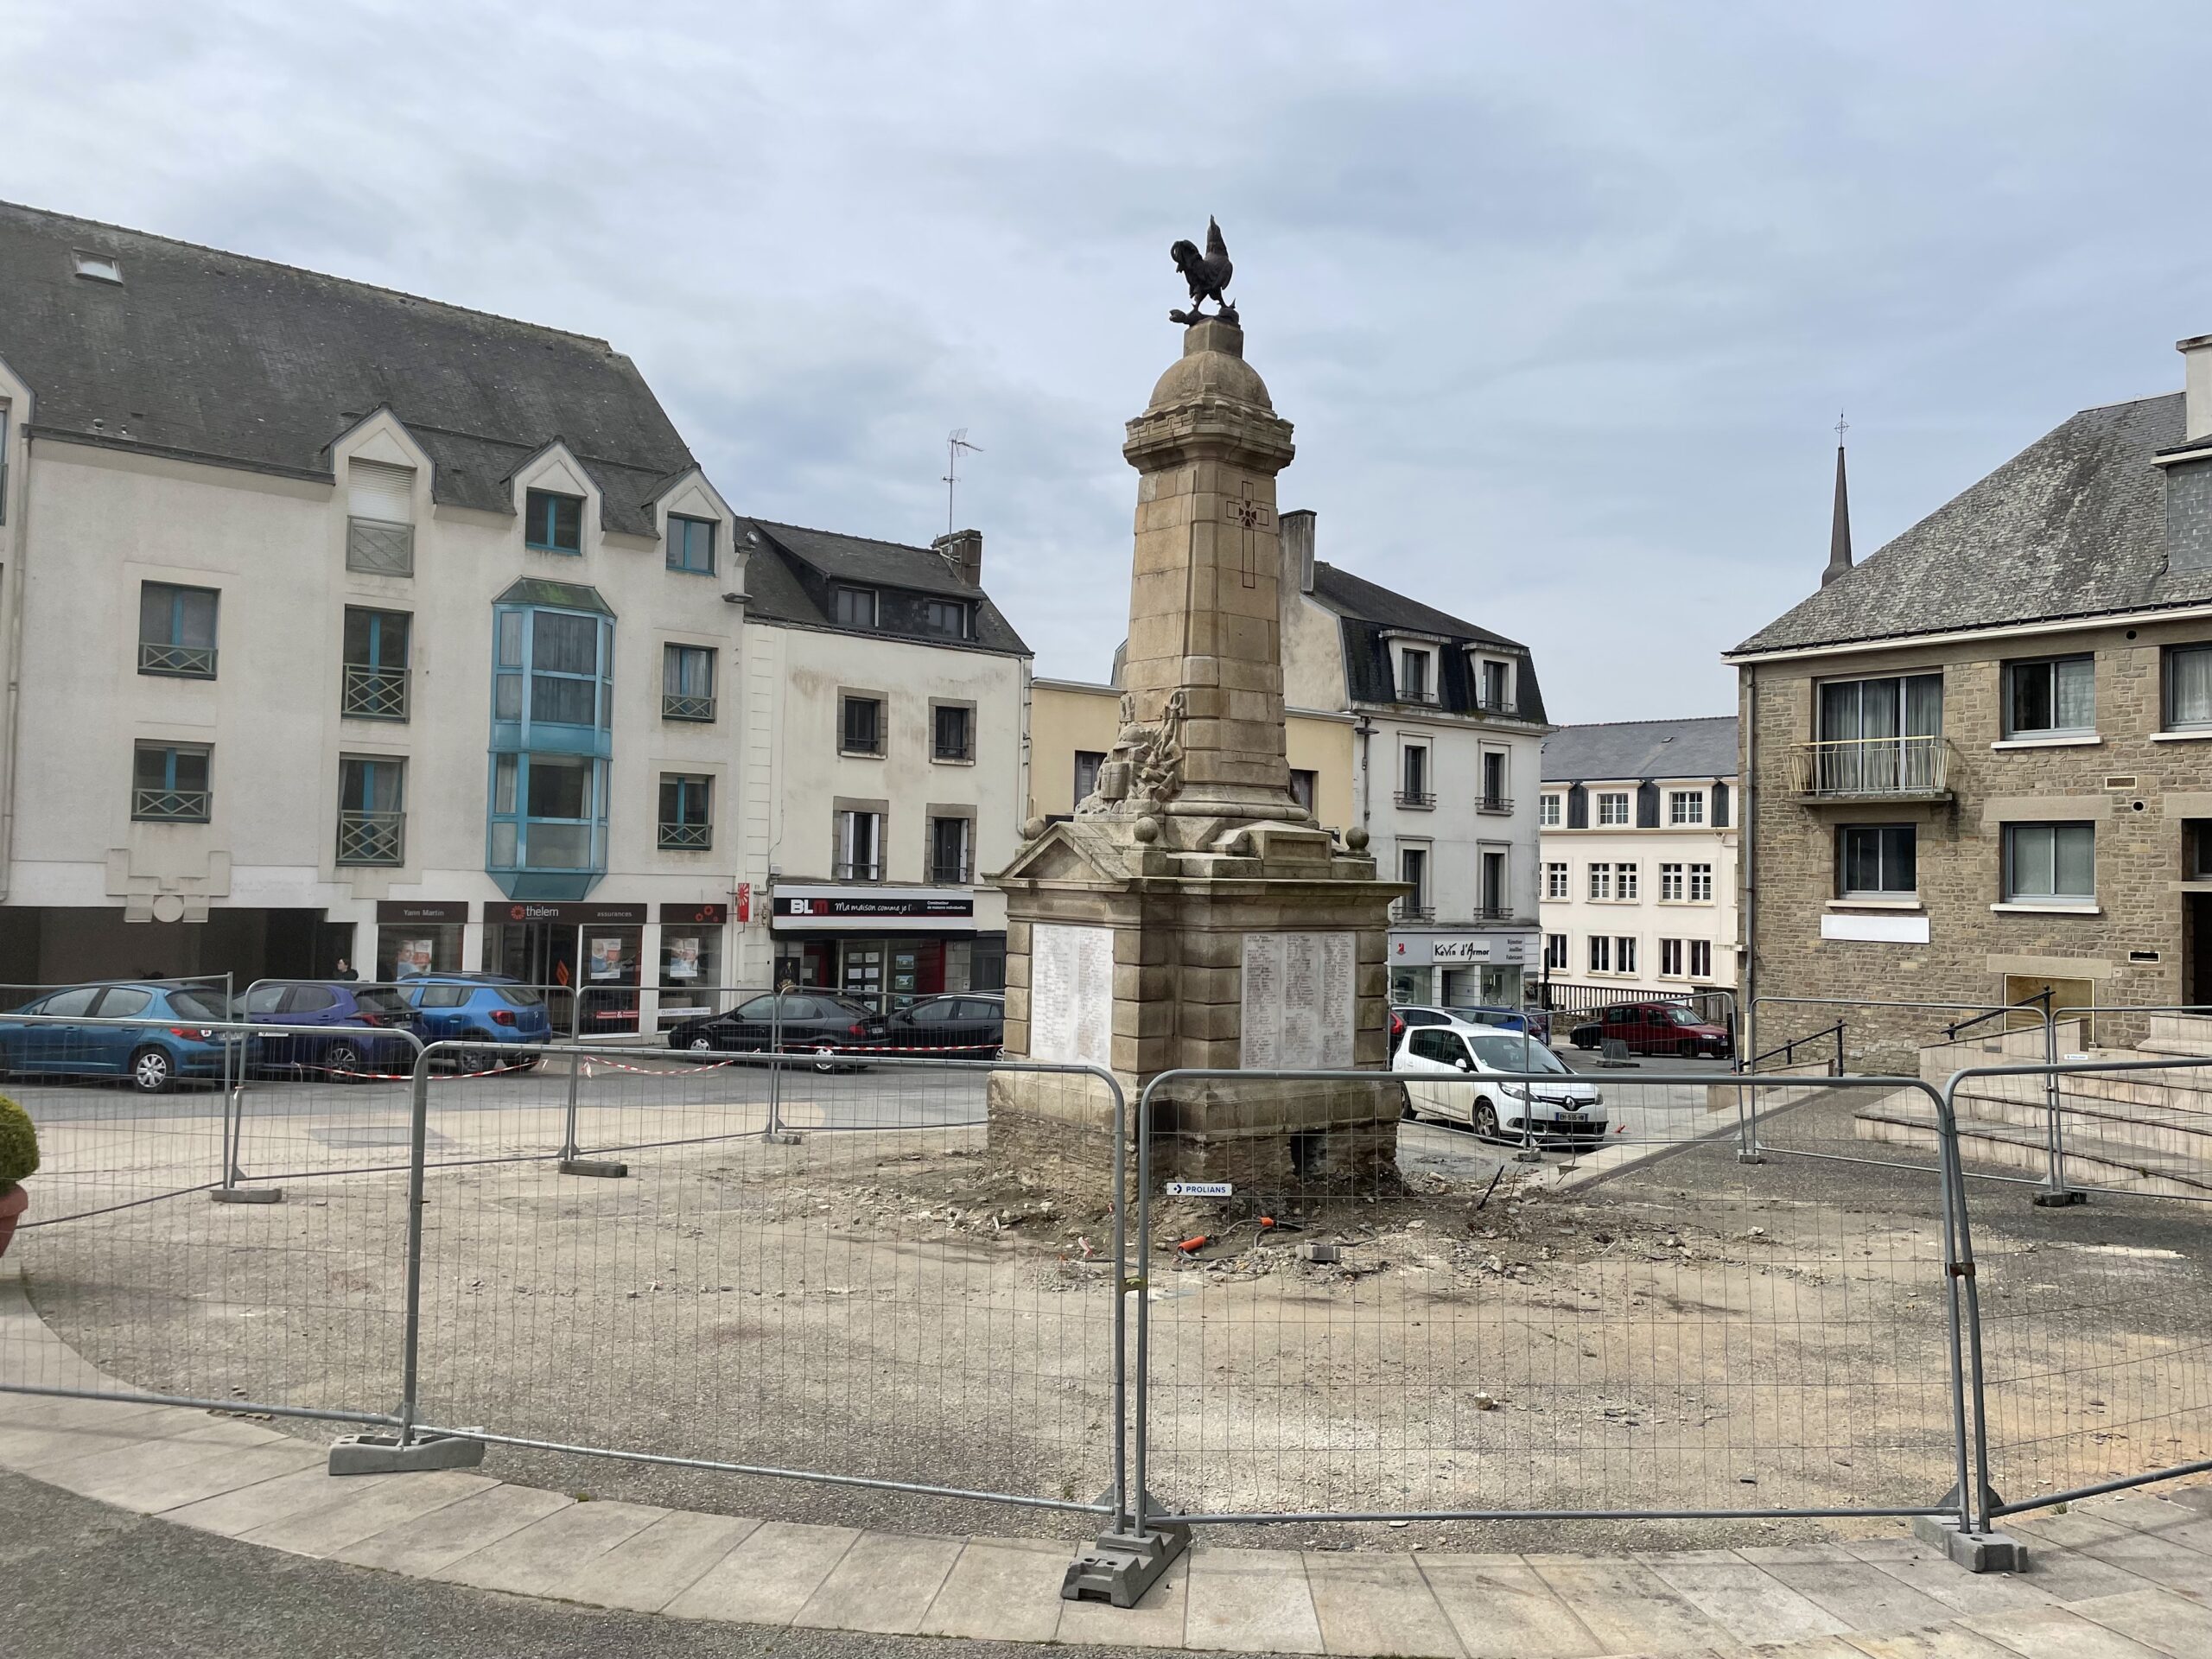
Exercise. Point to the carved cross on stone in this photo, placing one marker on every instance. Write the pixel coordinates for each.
(1249, 516)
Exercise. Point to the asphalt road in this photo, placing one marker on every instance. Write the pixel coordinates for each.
(81, 1580)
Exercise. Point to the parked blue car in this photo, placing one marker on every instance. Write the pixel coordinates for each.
(154, 1057)
(488, 1008)
(343, 1031)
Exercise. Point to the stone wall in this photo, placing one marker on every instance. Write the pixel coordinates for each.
(2138, 792)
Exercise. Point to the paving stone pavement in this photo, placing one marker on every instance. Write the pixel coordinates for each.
(2124, 1578)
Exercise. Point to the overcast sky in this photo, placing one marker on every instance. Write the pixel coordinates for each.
(1563, 299)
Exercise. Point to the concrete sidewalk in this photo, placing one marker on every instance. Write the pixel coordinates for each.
(2113, 1579)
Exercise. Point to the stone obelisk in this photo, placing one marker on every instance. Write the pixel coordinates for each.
(1192, 914)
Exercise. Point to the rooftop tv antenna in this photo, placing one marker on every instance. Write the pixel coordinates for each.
(953, 445)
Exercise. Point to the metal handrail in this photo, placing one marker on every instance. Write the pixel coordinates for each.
(1494, 803)
(676, 706)
(1788, 1050)
(1907, 766)
(378, 547)
(371, 692)
(170, 805)
(372, 838)
(188, 662)
(1415, 797)
(687, 837)
(1951, 1033)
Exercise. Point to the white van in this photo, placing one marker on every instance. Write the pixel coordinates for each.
(1568, 1109)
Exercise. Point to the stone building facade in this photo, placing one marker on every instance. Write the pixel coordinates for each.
(1978, 766)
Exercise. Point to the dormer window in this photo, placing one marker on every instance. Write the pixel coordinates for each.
(691, 544)
(1416, 674)
(946, 616)
(553, 523)
(98, 267)
(1494, 695)
(855, 606)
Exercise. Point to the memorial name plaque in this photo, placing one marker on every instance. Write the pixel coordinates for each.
(1072, 995)
(1299, 1008)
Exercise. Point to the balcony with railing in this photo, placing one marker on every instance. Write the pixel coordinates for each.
(1405, 909)
(686, 837)
(1871, 769)
(1500, 805)
(372, 838)
(375, 548)
(1487, 704)
(170, 805)
(187, 662)
(372, 693)
(1493, 912)
(675, 705)
(1419, 800)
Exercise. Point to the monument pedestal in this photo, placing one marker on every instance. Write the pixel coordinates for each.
(1191, 914)
(1262, 949)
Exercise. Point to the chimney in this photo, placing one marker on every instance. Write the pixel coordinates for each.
(1839, 526)
(1297, 546)
(2196, 386)
(962, 549)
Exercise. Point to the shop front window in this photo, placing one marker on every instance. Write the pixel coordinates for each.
(404, 948)
(690, 970)
(608, 994)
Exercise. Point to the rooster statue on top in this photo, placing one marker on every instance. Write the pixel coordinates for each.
(1208, 274)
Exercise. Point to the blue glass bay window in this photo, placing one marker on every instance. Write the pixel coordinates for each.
(552, 708)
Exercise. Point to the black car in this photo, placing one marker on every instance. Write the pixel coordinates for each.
(808, 1022)
(965, 1025)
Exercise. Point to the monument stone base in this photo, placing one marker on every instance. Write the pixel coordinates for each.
(1260, 948)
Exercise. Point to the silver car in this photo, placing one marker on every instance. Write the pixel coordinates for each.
(1466, 1062)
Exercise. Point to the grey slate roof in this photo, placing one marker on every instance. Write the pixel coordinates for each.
(791, 573)
(1618, 751)
(2072, 526)
(242, 361)
(1367, 612)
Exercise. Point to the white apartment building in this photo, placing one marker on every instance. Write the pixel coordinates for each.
(888, 699)
(338, 622)
(1639, 854)
(1449, 721)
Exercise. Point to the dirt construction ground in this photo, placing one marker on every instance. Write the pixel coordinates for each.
(1689, 1332)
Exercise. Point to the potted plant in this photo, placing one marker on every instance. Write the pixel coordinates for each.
(18, 1160)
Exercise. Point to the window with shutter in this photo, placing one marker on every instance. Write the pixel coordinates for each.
(380, 519)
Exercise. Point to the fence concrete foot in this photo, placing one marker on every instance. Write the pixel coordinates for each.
(1751, 1158)
(605, 1168)
(1977, 1552)
(2059, 1197)
(248, 1195)
(383, 1454)
(1119, 1568)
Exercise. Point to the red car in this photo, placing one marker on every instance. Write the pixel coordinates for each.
(1655, 1028)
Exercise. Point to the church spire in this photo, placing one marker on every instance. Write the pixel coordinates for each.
(1839, 529)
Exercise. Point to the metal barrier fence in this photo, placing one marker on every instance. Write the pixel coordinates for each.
(2091, 1345)
(1479, 1337)
(1432, 1293)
